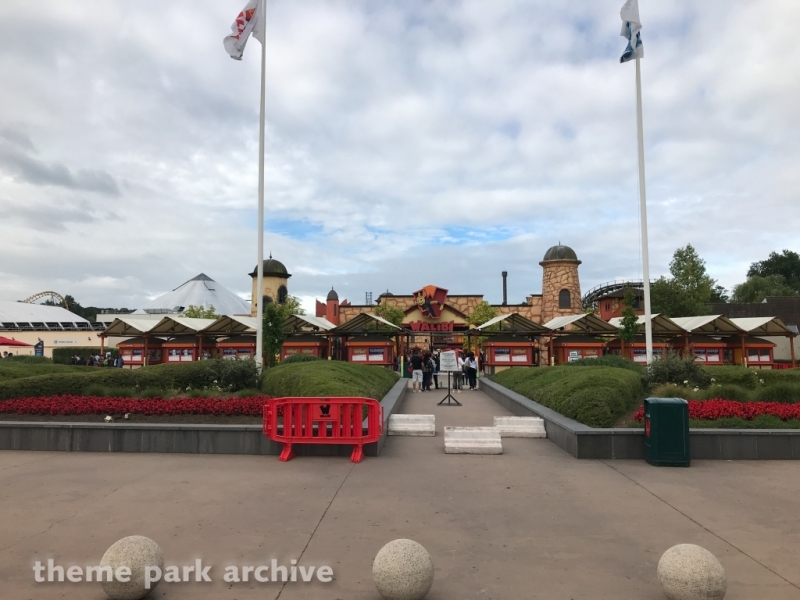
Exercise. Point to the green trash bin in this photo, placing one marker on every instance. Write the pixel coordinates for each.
(666, 432)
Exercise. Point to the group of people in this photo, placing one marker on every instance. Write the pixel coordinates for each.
(97, 361)
(425, 369)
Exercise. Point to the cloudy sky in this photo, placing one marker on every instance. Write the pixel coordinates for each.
(408, 142)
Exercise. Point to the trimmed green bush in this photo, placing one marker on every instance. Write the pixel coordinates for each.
(27, 358)
(786, 392)
(13, 369)
(680, 370)
(295, 358)
(726, 391)
(63, 356)
(328, 378)
(608, 361)
(594, 396)
(752, 378)
(217, 375)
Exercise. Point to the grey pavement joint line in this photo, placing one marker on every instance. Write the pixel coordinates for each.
(322, 518)
(716, 535)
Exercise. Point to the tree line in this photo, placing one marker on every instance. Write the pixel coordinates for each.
(689, 288)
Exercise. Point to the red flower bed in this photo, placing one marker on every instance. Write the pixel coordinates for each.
(100, 405)
(718, 408)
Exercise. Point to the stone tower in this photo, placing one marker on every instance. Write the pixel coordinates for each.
(561, 289)
(275, 279)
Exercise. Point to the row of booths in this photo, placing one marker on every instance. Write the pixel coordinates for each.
(506, 341)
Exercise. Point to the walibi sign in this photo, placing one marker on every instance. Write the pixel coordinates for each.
(430, 301)
(425, 326)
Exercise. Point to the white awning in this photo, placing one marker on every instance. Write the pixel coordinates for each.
(233, 324)
(762, 326)
(178, 325)
(586, 322)
(295, 322)
(661, 324)
(715, 324)
(515, 321)
(129, 326)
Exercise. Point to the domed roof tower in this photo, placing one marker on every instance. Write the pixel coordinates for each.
(276, 277)
(561, 288)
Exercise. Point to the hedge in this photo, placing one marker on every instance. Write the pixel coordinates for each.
(63, 356)
(14, 369)
(328, 378)
(594, 396)
(751, 378)
(217, 375)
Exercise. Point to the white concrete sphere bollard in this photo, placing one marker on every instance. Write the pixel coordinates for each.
(403, 570)
(135, 552)
(689, 572)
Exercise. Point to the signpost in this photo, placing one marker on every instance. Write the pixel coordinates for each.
(448, 363)
(38, 349)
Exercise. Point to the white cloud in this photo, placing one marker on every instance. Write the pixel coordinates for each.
(407, 143)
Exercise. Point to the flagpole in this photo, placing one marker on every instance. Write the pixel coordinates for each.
(260, 267)
(648, 325)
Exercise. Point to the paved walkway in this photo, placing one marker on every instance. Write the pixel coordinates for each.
(531, 523)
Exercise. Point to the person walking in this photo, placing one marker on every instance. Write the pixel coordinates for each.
(472, 371)
(427, 372)
(458, 376)
(436, 365)
(416, 371)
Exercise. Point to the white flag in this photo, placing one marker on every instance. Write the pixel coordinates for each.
(631, 28)
(249, 21)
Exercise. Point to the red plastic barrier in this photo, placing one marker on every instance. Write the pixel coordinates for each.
(323, 421)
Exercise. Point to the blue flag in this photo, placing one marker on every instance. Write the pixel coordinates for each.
(631, 28)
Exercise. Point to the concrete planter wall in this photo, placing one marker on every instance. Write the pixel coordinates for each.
(582, 441)
(181, 438)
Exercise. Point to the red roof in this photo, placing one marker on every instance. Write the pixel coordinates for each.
(4, 341)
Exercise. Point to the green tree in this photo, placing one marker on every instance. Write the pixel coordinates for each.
(719, 295)
(482, 313)
(390, 312)
(688, 290)
(786, 264)
(629, 325)
(273, 333)
(756, 288)
(200, 312)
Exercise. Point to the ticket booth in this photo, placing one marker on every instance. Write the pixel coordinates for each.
(759, 353)
(706, 350)
(637, 349)
(184, 349)
(238, 347)
(569, 348)
(371, 350)
(132, 351)
(506, 351)
(305, 345)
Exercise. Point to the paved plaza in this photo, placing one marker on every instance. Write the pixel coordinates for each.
(532, 523)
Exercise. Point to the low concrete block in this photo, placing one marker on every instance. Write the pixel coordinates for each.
(520, 427)
(416, 425)
(472, 440)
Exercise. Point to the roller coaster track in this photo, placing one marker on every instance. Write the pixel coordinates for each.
(40, 295)
(593, 295)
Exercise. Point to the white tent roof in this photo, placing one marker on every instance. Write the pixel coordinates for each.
(585, 322)
(24, 315)
(125, 326)
(201, 291)
(661, 324)
(762, 325)
(707, 324)
(173, 325)
(232, 325)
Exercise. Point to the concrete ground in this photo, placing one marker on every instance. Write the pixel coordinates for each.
(532, 523)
